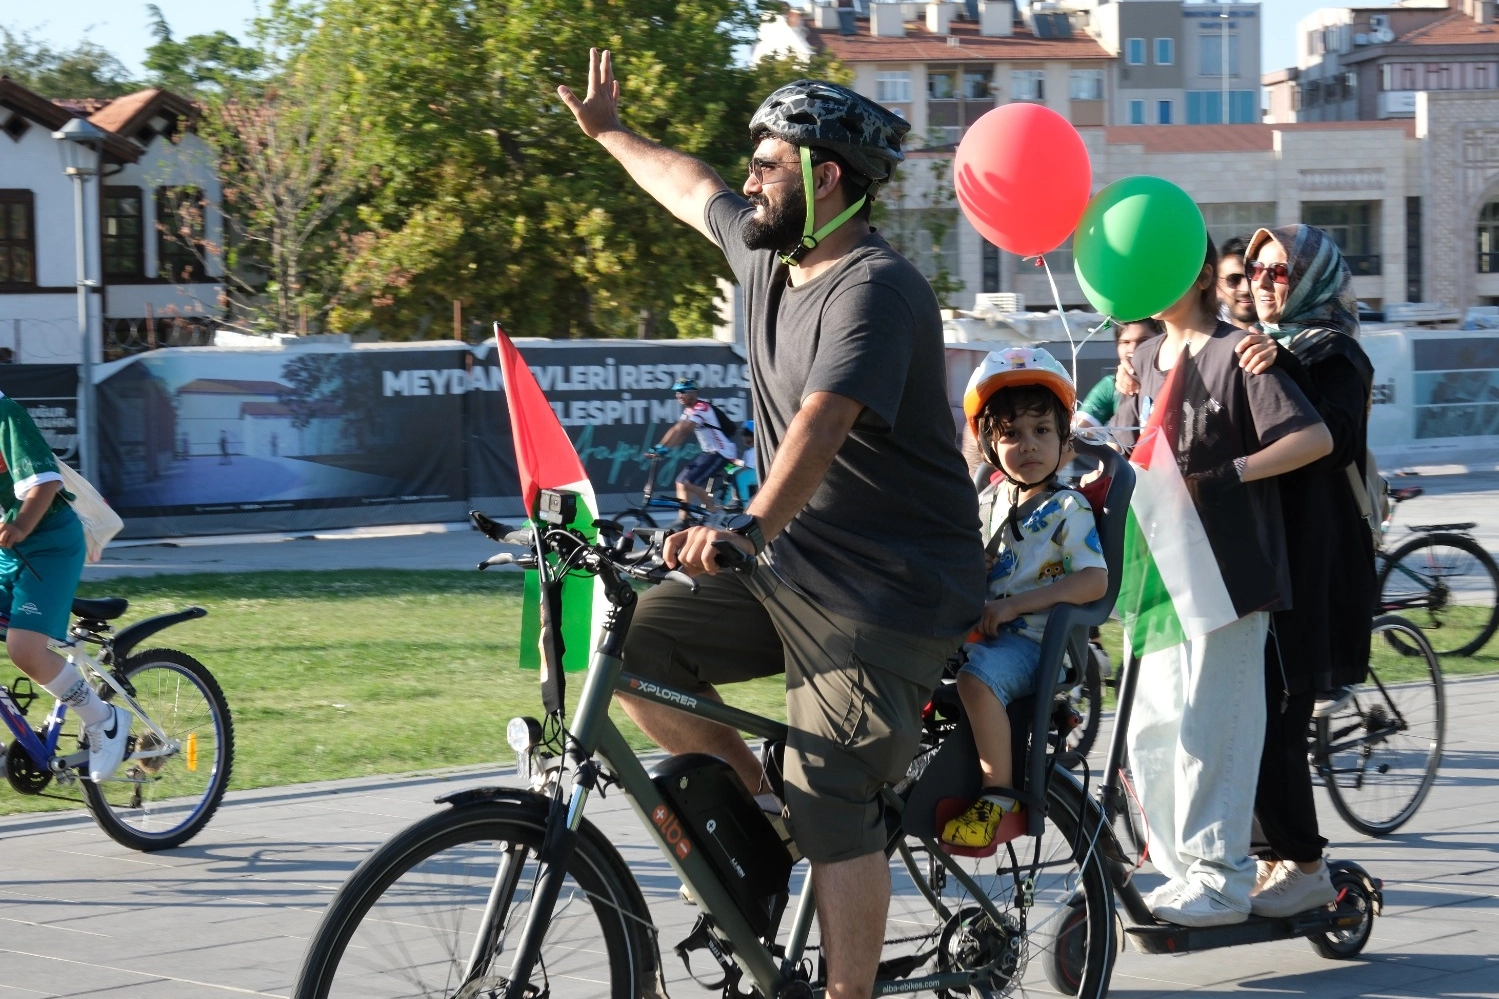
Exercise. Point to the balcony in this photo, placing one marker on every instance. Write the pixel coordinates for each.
(1367, 265)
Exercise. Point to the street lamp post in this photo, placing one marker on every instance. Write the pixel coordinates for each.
(81, 144)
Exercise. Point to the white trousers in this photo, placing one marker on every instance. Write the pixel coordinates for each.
(1195, 736)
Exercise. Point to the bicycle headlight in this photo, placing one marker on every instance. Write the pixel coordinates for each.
(523, 734)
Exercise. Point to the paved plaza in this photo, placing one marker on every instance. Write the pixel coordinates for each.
(229, 914)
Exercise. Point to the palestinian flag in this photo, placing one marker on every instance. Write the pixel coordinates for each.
(1172, 589)
(546, 459)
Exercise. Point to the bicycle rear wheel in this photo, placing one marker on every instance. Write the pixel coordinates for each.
(437, 911)
(1066, 937)
(1379, 752)
(162, 802)
(1448, 586)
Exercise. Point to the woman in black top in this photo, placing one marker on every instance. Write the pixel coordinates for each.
(1303, 295)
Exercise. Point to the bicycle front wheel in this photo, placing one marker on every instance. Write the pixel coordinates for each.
(439, 909)
(1378, 753)
(634, 518)
(1063, 934)
(161, 802)
(1448, 586)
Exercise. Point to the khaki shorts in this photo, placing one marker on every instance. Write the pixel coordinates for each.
(854, 692)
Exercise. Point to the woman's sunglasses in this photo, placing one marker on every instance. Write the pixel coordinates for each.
(1279, 273)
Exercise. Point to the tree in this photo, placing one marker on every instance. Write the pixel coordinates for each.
(86, 70)
(917, 213)
(199, 63)
(485, 191)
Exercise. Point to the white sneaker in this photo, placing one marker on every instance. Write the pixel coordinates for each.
(1197, 907)
(1164, 893)
(1294, 891)
(1265, 871)
(106, 743)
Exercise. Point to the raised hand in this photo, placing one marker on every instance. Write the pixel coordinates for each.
(598, 112)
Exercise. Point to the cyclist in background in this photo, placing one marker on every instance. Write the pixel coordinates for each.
(699, 418)
(747, 478)
(41, 560)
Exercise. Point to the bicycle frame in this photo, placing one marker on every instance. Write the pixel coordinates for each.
(593, 734)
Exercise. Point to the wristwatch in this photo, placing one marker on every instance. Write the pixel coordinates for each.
(748, 527)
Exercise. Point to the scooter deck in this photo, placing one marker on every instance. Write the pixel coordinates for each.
(1168, 938)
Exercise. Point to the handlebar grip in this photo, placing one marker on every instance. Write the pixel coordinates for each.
(731, 556)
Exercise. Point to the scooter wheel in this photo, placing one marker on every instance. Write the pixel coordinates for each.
(1356, 894)
(1066, 951)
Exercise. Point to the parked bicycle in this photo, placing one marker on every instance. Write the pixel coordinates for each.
(179, 757)
(510, 892)
(1442, 580)
(653, 508)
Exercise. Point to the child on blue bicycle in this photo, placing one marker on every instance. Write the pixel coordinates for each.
(1043, 549)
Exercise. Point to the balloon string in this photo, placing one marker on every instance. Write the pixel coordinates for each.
(1056, 296)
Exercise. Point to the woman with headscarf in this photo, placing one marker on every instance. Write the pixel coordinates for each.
(1303, 294)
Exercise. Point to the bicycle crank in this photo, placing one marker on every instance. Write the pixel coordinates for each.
(971, 941)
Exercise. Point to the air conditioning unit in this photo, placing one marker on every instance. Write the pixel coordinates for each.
(1379, 22)
(1360, 39)
(1384, 36)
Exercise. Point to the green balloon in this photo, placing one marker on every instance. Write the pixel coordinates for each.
(1139, 246)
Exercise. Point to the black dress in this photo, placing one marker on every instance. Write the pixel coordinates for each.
(1322, 642)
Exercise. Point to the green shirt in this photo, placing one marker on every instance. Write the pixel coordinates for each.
(29, 460)
(1101, 402)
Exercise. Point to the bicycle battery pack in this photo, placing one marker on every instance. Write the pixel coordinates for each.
(726, 824)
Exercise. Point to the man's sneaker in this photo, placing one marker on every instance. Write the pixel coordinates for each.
(106, 744)
(1331, 701)
(1294, 891)
(1195, 906)
(975, 828)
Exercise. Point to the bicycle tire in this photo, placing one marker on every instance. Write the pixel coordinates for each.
(1454, 572)
(1087, 699)
(1070, 926)
(634, 518)
(161, 805)
(1378, 755)
(443, 869)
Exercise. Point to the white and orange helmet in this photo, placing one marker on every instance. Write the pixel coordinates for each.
(1011, 367)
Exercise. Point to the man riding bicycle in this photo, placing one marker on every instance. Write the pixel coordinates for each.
(870, 567)
(699, 418)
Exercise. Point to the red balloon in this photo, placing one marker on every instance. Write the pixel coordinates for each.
(1022, 177)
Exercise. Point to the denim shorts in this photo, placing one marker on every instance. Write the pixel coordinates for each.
(701, 469)
(1007, 663)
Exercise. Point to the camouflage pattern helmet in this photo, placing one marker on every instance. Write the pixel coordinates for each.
(824, 115)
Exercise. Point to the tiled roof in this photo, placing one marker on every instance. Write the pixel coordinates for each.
(117, 113)
(54, 116)
(84, 106)
(919, 45)
(1454, 29)
(1230, 138)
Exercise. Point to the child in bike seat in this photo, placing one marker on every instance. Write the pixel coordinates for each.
(1042, 549)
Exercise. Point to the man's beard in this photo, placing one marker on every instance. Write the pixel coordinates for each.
(1243, 313)
(782, 224)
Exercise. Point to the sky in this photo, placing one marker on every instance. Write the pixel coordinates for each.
(122, 25)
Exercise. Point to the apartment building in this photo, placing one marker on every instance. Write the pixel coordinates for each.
(1368, 63)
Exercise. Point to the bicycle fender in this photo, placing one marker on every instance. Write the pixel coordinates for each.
(128, 638)
(479, 795)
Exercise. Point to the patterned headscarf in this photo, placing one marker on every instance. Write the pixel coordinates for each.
(1321, 285)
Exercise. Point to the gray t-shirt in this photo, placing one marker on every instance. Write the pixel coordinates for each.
(891, 537)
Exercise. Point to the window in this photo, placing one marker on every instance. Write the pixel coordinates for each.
(1353, 225)
(892, 86)
(941, 84)
(1488, 238)
(1027, 85)
(1137, 112)
(1163, 112)
(180, 230)
(1165, 51)
(124, 250)
(978, 84)
(990, 265)
(1134, 51)
(17, 240)
(1227, 219)
(928, 237)
(1205, 107)
(1085, 85)
(1210, 51)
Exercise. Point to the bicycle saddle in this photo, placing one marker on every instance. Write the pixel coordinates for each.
(102, 609)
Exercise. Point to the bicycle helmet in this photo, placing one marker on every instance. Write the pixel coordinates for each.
(748, 427)
(684, 385)
(1008, 369)
(814, 114)
(826, 116)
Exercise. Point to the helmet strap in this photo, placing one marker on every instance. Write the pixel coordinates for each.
(1013, 520)
(810, 239)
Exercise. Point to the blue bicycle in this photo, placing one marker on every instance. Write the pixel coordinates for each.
(181, 748)
(723, 486)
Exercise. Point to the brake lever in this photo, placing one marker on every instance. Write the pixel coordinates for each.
(678, 576)
(526, 561)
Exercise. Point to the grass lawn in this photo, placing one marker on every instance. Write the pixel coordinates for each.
(354, 673)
